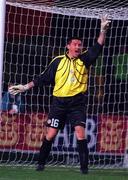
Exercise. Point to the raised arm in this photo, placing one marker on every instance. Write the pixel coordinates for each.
(90, 56)
(104, 26)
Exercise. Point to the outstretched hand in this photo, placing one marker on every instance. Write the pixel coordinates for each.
(104, 23)
(17, 89)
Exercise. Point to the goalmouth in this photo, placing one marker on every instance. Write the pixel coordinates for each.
(35, 32)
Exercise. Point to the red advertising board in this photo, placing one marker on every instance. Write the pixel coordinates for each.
(112, 134)
(22, 132)
(26, 132)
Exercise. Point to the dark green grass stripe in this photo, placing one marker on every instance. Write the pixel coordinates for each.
(62, 173)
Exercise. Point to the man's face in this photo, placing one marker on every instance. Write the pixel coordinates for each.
(74, 48)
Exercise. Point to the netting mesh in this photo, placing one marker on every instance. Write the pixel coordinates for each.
(76, 3)
(93, 9)
(36, 31)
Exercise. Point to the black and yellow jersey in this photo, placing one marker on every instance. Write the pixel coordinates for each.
(69, 76)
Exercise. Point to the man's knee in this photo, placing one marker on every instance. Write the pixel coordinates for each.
(51, 133)
(80, 132)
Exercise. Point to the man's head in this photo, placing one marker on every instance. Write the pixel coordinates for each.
(74, 46)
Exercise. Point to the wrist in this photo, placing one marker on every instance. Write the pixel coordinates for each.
(26, 87)
(102, 30)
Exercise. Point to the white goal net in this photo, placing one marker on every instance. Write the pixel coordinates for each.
(35, 32)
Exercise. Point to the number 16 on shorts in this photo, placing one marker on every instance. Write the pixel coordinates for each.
(53, 122)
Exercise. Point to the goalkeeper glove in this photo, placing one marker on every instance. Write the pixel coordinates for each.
(18, 89)
(104, 23)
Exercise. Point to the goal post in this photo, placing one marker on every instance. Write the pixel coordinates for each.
(2, 22)
(37, 31)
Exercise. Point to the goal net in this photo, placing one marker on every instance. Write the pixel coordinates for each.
(37, 31)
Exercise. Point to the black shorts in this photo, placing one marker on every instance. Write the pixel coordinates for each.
(67, 108)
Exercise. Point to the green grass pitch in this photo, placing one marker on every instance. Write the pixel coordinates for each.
(60, 173)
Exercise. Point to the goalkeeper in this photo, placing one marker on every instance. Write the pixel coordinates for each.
(68, 74)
